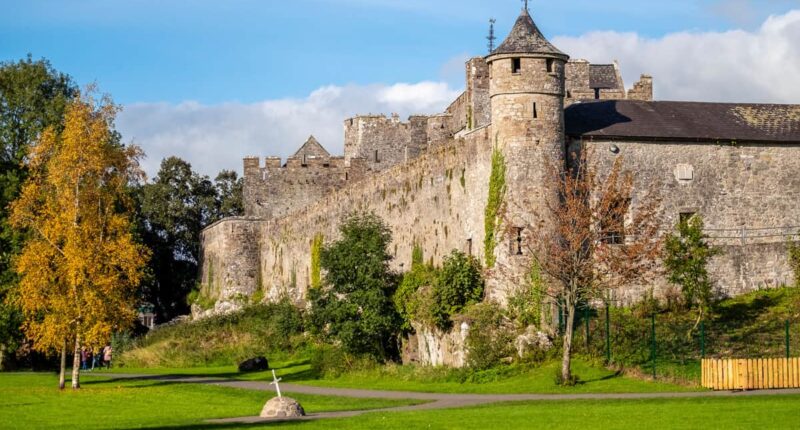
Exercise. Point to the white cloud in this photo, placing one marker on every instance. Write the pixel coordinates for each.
(733, 66)
(217, 137)
(736, 66)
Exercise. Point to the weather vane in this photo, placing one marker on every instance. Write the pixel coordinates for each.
(526, 4)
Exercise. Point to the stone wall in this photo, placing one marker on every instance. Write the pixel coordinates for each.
(384, 142)
(274, 190)
(436, 200)
(746, 193)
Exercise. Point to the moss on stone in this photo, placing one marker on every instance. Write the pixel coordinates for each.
(316, 252)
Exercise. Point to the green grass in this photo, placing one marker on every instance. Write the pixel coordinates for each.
(32, 400)
(718, 413)
(509, 380)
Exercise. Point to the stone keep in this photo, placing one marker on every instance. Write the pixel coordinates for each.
(428, 178)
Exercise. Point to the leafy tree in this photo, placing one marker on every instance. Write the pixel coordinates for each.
(229, 194)
(354, 306)
(173, 210)
(33, 96)
(686, 258)
(594, 240)
(81, 266)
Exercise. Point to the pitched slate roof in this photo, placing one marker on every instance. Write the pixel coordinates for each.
(312, 148)
(683, 121)
(603, 76)
(525, 38)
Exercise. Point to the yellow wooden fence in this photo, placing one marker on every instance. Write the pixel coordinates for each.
(752, 374)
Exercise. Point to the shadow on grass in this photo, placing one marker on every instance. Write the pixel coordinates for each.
(208, 426)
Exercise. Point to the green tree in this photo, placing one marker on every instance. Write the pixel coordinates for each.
(173, 210)
(33, 96)
(229, 194)
(686, 258)
(354, 306)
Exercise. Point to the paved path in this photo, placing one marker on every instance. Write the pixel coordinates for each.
(435, 400)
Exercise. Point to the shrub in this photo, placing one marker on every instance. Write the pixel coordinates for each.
(329, 361)
(489, 340)
(794, 261)
(686, 259)
(354, 308)
(433, 296)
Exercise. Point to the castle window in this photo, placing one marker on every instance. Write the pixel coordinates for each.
(535, 112)
(346, 176)
(550, 62)
(516, 244)
(597, 93)
(469, 247)
(377, 160)
(613, 225)
(516, 65)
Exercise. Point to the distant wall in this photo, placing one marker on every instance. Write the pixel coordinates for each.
(274, 190)
(384, 142)
(750, 187)
(436, 201)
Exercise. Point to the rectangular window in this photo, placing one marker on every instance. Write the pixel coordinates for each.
(516, 65)
(613, 224)
(597, 93)
(535, 112)
(515, 246)
(549, 65)
(377, 160)
(469, 247)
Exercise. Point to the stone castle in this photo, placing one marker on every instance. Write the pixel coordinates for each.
(428, 178)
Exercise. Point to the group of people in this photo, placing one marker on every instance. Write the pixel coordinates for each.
(91, 360)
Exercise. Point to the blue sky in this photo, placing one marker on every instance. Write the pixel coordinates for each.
(247, 50)
(213, 81)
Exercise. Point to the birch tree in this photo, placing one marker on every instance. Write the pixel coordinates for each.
(80, 269)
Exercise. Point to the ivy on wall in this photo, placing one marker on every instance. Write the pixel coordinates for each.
(497, 189)
(316, 252)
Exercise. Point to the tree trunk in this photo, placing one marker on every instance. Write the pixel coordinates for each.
(76, 365)
(63, 367)
(566, 359)
(2, 357)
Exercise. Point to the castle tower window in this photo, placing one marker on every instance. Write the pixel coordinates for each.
(377, 160)
(597, 93)
(550, 63)
(469, 247)
(518, 244)
(535, 112)
(305, 160)
(346, 176)
(516, 65)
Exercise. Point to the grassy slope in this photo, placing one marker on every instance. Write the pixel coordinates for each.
(31, 400)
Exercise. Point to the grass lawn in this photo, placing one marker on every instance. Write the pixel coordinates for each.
(438, 380)
(718, 413)
(32, 400)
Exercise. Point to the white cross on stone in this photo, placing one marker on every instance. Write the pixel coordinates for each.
(274, 382)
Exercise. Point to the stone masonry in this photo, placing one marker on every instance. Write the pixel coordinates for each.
(428, 177)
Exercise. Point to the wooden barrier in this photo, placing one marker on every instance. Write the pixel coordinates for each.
(752, 374)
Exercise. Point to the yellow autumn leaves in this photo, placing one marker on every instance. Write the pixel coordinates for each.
(81, 266)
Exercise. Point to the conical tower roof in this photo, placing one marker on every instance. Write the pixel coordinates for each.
(525, 38)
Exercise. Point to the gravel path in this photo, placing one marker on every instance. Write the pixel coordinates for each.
(435, 400)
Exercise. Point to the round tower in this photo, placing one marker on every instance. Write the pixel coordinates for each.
(527, 102)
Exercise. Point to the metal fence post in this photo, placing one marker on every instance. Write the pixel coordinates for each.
(653, 345)
(608, 334)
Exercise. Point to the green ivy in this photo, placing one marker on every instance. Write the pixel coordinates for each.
(417, 256)
(794, 261)
(525, 304)
(316, 251)
(497, 189)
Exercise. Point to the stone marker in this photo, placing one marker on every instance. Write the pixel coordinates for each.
(282, 407)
